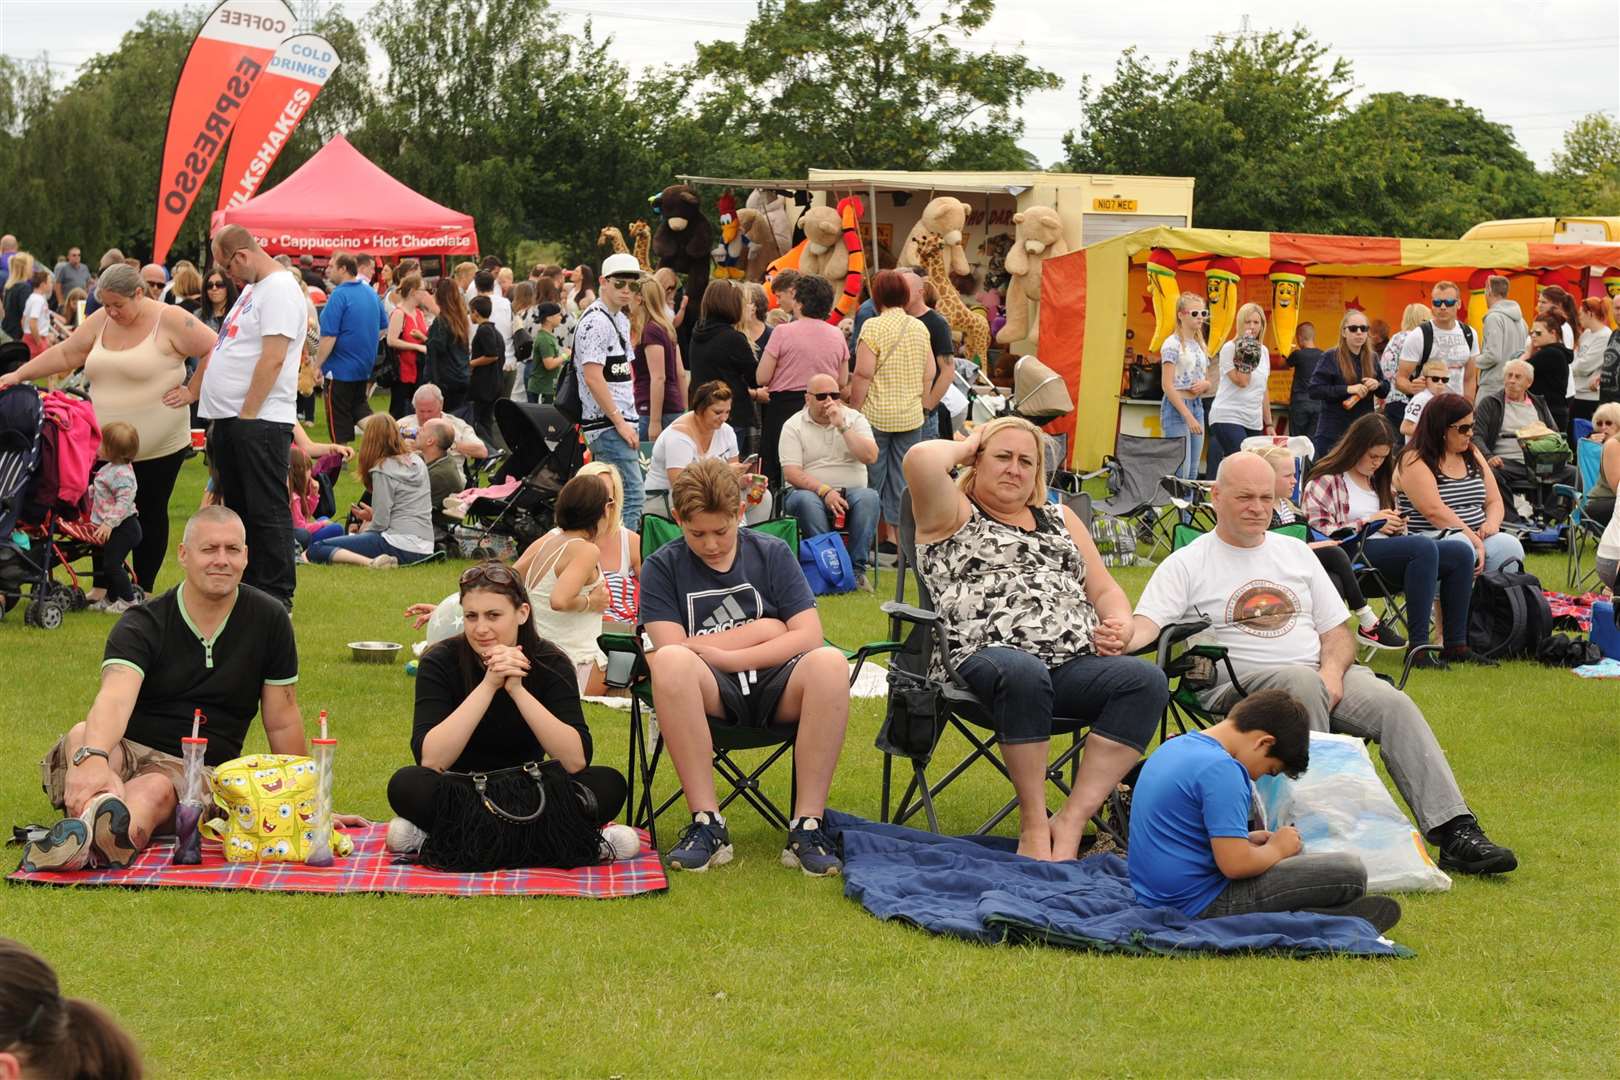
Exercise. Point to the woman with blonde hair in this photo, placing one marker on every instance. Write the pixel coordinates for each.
(1242, 407)
(1389, 363)
(1036, 622)
(619, 548)
(19, 287)
(1185, 365)
(398, 525)
(656, 365)
(1347, 382)
(188, 287)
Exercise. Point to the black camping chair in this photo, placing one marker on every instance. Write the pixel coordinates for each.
(1135, 494)
(628, 670)
(922, 706)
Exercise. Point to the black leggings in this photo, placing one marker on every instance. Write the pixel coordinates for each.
(413, 789)
(1337, 564)
(110, 559)
(154, 483)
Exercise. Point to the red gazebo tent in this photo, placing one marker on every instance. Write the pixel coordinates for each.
(339, 201)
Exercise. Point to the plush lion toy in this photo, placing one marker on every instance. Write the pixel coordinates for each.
(684, 237)
(1038, 237)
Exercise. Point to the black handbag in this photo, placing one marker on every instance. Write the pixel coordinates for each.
(526, 816)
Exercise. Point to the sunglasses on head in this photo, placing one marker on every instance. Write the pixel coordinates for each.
(829, 395)
(1446, 303)
(488, 574)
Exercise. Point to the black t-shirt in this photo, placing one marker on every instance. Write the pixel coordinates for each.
(1304, 362)
(939, 334)
(225, 677)
(16, 300)
(485, 384)
(764, 582)
(502, 739)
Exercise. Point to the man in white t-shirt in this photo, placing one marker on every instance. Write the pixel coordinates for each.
(247, 388)
(824, 450)
(607, 395)
(1270, 604)
(428, 405)
(1443, 339)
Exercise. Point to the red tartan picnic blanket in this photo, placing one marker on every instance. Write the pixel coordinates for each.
(1577, 609)
(370, 870)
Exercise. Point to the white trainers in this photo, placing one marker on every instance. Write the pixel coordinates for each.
(619, 842)
(383, 562)
(404, 837)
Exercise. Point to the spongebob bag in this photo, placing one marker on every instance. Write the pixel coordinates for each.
(269, 806)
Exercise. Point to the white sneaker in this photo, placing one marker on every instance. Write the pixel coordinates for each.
(619, 842)
(404, 837)
(118, 607)
(383, 562)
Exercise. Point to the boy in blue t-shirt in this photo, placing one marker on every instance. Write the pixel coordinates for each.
(1191, 847)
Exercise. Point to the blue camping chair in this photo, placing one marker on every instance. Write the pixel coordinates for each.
(1584, 532)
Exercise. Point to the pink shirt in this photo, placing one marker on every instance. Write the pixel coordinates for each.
(806, 347)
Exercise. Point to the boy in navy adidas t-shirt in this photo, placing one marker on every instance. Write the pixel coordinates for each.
(1191, 847)
(737, 641)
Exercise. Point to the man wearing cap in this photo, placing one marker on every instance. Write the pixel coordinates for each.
(602, 354)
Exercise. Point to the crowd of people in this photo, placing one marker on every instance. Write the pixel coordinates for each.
(850, 425)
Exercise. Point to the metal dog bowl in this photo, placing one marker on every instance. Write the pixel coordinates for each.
(375, 652)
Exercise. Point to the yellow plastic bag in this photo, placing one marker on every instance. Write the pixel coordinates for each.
(269, 806)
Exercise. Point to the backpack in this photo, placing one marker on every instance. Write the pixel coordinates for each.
(826, 565)
(1427, 330)
(1609, 373)
(570, 400)
(1508, 616)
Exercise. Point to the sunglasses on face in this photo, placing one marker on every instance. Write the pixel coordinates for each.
(1437, 378)
(154, 284)
(1197, 314)
(624, 282)
(831, 395)
(1445, 303)
(1357, 329)
(216, 284)
(1463, 429)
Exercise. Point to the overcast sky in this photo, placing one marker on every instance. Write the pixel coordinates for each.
(1536, 68)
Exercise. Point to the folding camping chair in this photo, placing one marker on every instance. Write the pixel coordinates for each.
(1583, 531)
(922, 707)
(628, 670)
(1134, 491)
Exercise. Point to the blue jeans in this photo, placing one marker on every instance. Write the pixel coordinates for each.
(1174, 426)
(1225, 439)
(1120, 698)
(860, 520)
(1416, 565)
(884, 475)
(370, 544)
(607, 445)
(1499, 548)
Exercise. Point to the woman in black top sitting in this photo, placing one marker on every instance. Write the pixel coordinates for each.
(494, 697)
(721, 351)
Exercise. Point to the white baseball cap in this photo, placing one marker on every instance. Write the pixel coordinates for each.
(620, 263)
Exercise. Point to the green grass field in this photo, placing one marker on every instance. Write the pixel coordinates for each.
(753, 970)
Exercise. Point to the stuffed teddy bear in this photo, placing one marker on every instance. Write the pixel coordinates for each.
(759, 241)
(1037, 237)
(824, 253)
(684, 237)
(945, 217)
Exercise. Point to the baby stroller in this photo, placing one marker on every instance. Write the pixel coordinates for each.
(47, 443)
(546, 452)
(1541, 510)
(1039, 395)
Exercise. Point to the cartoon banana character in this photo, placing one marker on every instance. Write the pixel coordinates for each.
(1221, 290)
(1161, 271)
(1287, 290)
(1478, 303)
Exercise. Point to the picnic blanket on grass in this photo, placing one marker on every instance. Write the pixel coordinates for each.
(370, 869)
(980, 889)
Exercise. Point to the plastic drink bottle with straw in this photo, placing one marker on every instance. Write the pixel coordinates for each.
(188, 815)
(325, 749)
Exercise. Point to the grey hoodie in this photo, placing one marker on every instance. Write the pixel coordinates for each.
(402, 504)
(1505, 337)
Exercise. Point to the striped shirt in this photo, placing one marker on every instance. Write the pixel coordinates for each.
(1464, 497)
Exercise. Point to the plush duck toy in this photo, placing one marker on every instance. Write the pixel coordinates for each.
(731, 253)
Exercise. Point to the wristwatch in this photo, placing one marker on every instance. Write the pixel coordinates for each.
(83, 752)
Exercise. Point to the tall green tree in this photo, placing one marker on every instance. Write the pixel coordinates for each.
(1247, 117)
(852, 84)
(1586, 170)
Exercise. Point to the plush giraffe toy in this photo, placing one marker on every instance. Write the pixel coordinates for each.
(641, 233)
(611, 235)
(975, 330)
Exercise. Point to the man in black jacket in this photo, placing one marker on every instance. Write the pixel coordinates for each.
(1497, 419)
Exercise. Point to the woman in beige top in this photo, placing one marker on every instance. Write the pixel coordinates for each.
(133, 350)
